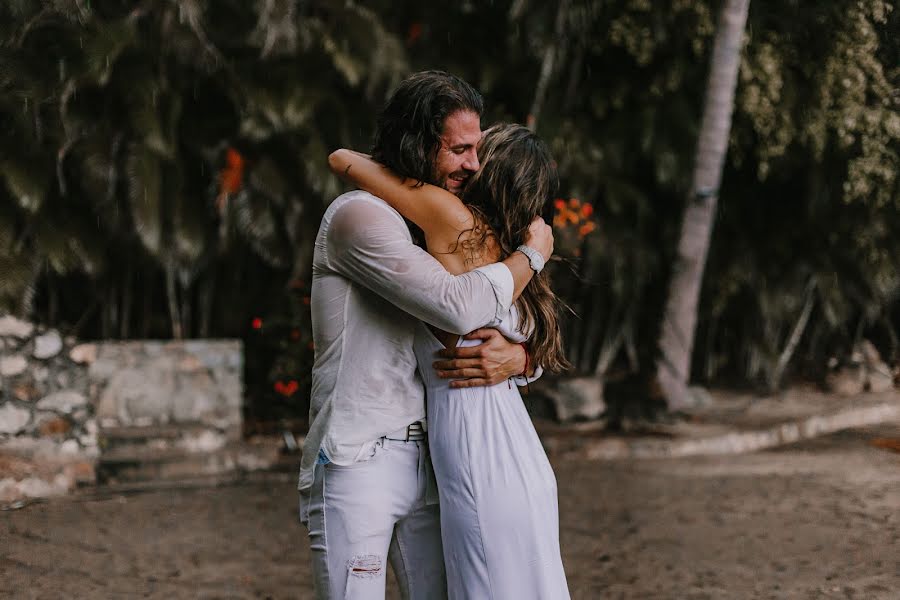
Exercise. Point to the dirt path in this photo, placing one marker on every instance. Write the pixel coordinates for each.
(819, 520)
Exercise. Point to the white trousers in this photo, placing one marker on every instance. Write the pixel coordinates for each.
(362, 515)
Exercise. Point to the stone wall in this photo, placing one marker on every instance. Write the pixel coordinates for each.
(144, 383)
(169, 410)
(48, 429)
(67, 408)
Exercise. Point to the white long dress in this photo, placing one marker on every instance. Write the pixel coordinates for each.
(499, 512)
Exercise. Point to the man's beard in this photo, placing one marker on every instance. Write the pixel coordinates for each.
(460, 183)
(437, 180)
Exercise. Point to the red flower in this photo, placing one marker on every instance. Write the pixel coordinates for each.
(414, 33)
(287, 389)
(587, 210)
(559, 203)
(256, 323)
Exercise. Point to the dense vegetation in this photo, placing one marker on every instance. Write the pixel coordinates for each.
(164, 166)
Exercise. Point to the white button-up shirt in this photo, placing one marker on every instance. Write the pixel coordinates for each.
(370, 285)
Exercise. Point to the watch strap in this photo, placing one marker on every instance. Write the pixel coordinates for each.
(535, 258)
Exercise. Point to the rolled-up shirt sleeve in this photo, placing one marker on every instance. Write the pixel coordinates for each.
(369, 243)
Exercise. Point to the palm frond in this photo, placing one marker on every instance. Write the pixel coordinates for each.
(28, 183)
(189, 227)
(104, 44)
(256, 222)
(145, 173)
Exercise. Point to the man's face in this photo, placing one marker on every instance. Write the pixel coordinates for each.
(456, 158)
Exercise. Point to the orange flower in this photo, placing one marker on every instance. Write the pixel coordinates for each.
(233, 173)
(231, 178)
(574, 202)
(559, 203)
(587, 210)
(585, 229)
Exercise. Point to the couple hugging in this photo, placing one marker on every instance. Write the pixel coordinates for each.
(392, 425)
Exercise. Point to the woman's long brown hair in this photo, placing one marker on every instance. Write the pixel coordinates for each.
(516, 183)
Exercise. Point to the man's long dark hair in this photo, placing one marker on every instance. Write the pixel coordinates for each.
(408, 130)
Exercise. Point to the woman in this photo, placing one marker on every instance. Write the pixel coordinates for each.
(499, 514)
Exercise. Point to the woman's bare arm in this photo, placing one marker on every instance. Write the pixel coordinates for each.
(441, 215)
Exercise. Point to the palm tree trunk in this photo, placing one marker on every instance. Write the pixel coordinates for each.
(29, 291)
(186, 313)
(147, 307)
(172, 297)
(110, 311)
(799, 327)
(676, 340)
(207, 295)
(52, 300)
(125, 313)
(555, 48)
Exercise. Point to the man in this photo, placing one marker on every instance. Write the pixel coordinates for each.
(367, 494)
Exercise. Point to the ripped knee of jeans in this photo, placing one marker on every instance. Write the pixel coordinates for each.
(365, 566)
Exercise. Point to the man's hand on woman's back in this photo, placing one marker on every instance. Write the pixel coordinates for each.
(494, 360)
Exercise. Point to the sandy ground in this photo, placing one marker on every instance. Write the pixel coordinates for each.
(817, 520)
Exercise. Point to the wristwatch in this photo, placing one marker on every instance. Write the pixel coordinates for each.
(535, 258)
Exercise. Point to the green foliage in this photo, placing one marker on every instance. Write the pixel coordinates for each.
(815, 157)
(125, 216)
(810, 189)
(189, 137)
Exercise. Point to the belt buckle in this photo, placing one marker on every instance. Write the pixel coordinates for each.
(415, 431)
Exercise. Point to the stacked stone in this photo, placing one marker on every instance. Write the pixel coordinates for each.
(151, 383)
(862, 371)
(169, 410)
(117, 412)
(48, 431)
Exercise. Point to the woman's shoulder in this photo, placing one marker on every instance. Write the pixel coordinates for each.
(476, 244)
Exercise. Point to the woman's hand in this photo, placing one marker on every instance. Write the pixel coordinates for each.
(540, 237)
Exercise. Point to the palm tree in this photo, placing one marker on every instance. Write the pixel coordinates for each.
(676, 339)
(119, 121)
